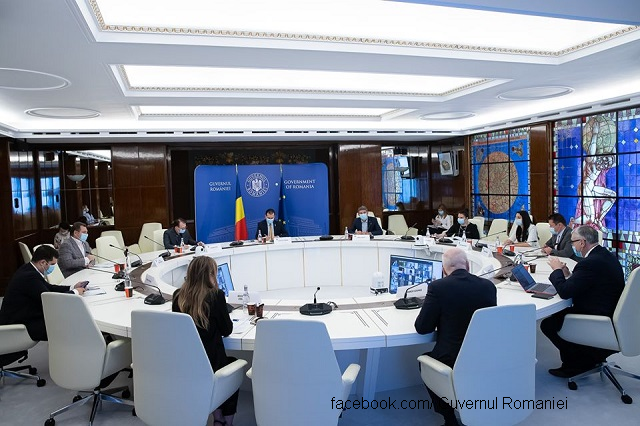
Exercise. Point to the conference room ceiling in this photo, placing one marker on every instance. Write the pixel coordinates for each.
(203, 70)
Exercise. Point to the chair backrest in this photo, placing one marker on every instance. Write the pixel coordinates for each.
(103, 246)
(147, 229)
(397, 224)
(14, 338)
(167, 356)
(479, 222)
(117, 235)
(626, 317)
(158, 235)
(76, 346)
(40, 245)
(498, 229)
(497, 360)
(24, 250)
(293, 364)
(544, 232)
(56, 276)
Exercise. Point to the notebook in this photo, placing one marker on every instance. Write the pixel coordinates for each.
(529, 284)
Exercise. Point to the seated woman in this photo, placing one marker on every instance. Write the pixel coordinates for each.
(462, 228)
(441, 222)
(523, 232)
(204, 301)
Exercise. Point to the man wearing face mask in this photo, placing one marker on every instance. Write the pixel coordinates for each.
(75, 252)
(365, 224)
(560, 242)
(178, 233)
(87, 215)
(22, 303)
(595, 287)
(270, 227)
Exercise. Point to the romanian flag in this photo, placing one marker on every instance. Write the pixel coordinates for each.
(241, 222)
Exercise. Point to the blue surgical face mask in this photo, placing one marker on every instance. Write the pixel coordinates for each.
(182, 231)
(270, 221)
(50, 269)
(553, 230)
(364, 216)
(518, 222)
(576, 252)
(461, 221)
(441, 212)
(83, 237)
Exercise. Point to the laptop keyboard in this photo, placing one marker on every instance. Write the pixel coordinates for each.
(540, 287)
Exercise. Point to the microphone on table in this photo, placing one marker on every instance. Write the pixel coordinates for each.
(480, 244)
(406, 237)
(512, 253)
(411, 302)
(126, 253)
(508, 265)
(315, 308)
(154, 299)
(165, 254)
(118, 275)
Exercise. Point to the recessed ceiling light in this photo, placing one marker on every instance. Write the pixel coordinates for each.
(62, 113)
(535, 93)
(226, 111)
(19, 79)
(454, 115)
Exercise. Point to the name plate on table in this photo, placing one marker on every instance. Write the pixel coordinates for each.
(235, 297)
(157, 261)
(212, 248)
(360, 237)
(417, 291)
(282, 240)
(486, 251)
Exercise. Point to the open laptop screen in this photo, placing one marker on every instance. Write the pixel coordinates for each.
(224, 279)
(523, 276)
(406, 271)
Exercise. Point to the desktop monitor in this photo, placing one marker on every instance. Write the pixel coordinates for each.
(407, 271)
(224, 279)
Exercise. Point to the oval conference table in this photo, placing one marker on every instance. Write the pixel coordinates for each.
(365, 328)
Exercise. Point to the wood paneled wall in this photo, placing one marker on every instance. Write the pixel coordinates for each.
(9, 257)
(140, 187)
(541, 170)
(359, 180)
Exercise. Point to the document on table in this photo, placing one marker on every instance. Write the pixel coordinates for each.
(94, 291)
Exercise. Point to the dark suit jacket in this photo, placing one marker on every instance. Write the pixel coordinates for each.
(220, 325)
(372, 226)
(595, 284)
(448, 307)
(278, 229)
(564, 245)
(471, 231)
(171, 238)
(22, 303)
(71, 259)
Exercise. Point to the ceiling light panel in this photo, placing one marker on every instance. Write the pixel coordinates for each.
(341, 21)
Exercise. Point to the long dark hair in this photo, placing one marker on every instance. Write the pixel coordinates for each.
(200, 283)
(522, 232)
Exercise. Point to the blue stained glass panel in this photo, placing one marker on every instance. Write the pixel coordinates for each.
(628, 219)
(568, 176)
(568, 138)
(479, 149)
(519, 202)
(566, 206)
(629, 135)
(629, 175)
(498, 142)
(522, 170)
(519, 144)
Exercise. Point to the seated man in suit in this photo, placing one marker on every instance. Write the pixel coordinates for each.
(365, 224)
(448, 308)
(22, 303)
(178, 233)
(595, 286)
(270, 227)
(560, 242)
(462, 227)
(75, 252)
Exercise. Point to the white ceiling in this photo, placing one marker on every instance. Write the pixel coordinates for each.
(332, 69)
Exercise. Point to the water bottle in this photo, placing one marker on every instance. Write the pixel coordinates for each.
(259, 236)
(245, 299)
(497, 242)
(346, 232)
(181, 245)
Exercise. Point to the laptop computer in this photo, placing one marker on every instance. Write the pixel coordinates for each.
(224, 282)
(529, 284)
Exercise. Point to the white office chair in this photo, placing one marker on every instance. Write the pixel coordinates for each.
(24, 250)
(158, 235)
(117, 235)
(398, 225)
(295, 369)
(544, 232)
(14, 343)
(498, 229)
(619, 333)
(490, 365)
(173, 380)
(479, 222)
(104, 249)
(147, 230)
(79, 357)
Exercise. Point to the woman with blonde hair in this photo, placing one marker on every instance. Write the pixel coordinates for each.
(204, 301)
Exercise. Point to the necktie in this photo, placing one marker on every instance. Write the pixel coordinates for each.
(271, 231)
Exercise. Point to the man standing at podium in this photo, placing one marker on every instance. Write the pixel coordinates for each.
(449, 306)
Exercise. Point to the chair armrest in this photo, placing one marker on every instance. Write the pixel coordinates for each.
(228, 380)
(437, 376)
(589, 330)
(249, 372)
(348, 379)
(15, 338)
(118, 356)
